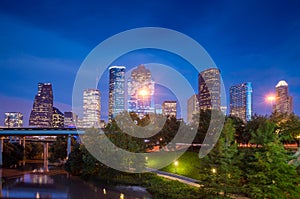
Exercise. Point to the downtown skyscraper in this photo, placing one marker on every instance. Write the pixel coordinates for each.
(169, 108)
(41, 113)
(141, 91)
(116, 91)
(192, 107)
(209, 88)
(241, 101)
(91, 108)
(13, 119)
(283, 101)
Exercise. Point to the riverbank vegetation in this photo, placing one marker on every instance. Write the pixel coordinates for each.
(249, 159)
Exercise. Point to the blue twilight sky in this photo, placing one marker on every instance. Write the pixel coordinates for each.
(46, 41)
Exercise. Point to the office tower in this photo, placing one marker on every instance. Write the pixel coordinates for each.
(192, 107)
(41, 113)
(283, 102)
(116, 91)
(91, 108)
(209, 89)
(70, 120)
(140, 91)
(169, 108)
(13, 119)
(57, 118)
(241, 101)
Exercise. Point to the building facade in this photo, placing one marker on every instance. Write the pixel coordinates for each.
(13, 119)
(209, 88)
(41, 113)
(57, 118)
(169, 108)
(141, 91)
(283, 101)
(241, 101)
(192, 107)
(70, 120)
(116, 91)
(91, 108)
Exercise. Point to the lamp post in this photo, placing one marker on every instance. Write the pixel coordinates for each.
(176, 165)
(270, 99)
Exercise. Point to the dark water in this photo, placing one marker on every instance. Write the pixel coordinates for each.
(33, 185)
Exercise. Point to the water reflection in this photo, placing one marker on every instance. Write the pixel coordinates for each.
(32, 185)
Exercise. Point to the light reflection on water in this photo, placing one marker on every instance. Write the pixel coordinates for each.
(61, 186)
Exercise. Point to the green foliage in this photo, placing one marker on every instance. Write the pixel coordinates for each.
(287, 127)
(58, 150)
(219, 169)
(12, 154)
(188, 165)
(270, 176)
(33, 150)
(264, 134)
(163, 188)
(74, 164)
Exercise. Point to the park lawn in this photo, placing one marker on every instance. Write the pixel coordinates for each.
(188, 164)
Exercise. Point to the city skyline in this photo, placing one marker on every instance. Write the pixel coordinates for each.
(52, 49)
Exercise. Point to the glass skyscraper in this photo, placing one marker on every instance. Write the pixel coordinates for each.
(41, 113)
(283, 102)
(209, 89)
(241, 101)
(13, 119)
(57, 118)
(91, 108)
(116, 91)
(70, 119)
(140, 91)
(169, 108)
(192, 107)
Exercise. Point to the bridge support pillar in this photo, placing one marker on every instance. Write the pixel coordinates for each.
(1, 151)
(46, 169)
(69, 145)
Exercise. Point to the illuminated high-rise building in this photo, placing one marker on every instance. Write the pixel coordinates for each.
(140, 91)
(169, 108)
(192, 107)
(283, 101)
(116, 91)
(13, 119)
(70, 120)
(91, 108)
(41, 113)
(209, 89)
(57, 118)
(241, 101)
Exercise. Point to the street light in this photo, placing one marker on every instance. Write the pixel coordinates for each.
(213, 170)
(270, 98)
(176, 165)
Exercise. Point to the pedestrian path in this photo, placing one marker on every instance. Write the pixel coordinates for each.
(172, 176)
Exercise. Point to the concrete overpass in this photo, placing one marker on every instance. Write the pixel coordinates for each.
(23, 132)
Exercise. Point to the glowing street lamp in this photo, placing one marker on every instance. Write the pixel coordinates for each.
(176, 165)
(270, 98)
(213, 170)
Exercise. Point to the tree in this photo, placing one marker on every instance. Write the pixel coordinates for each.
(287, 127)
(269, 174)
(12, 154)
(74, 164)
(264, 134)
(219, 169)
(33, 150)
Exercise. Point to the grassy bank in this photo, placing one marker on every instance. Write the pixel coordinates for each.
(187, 165)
